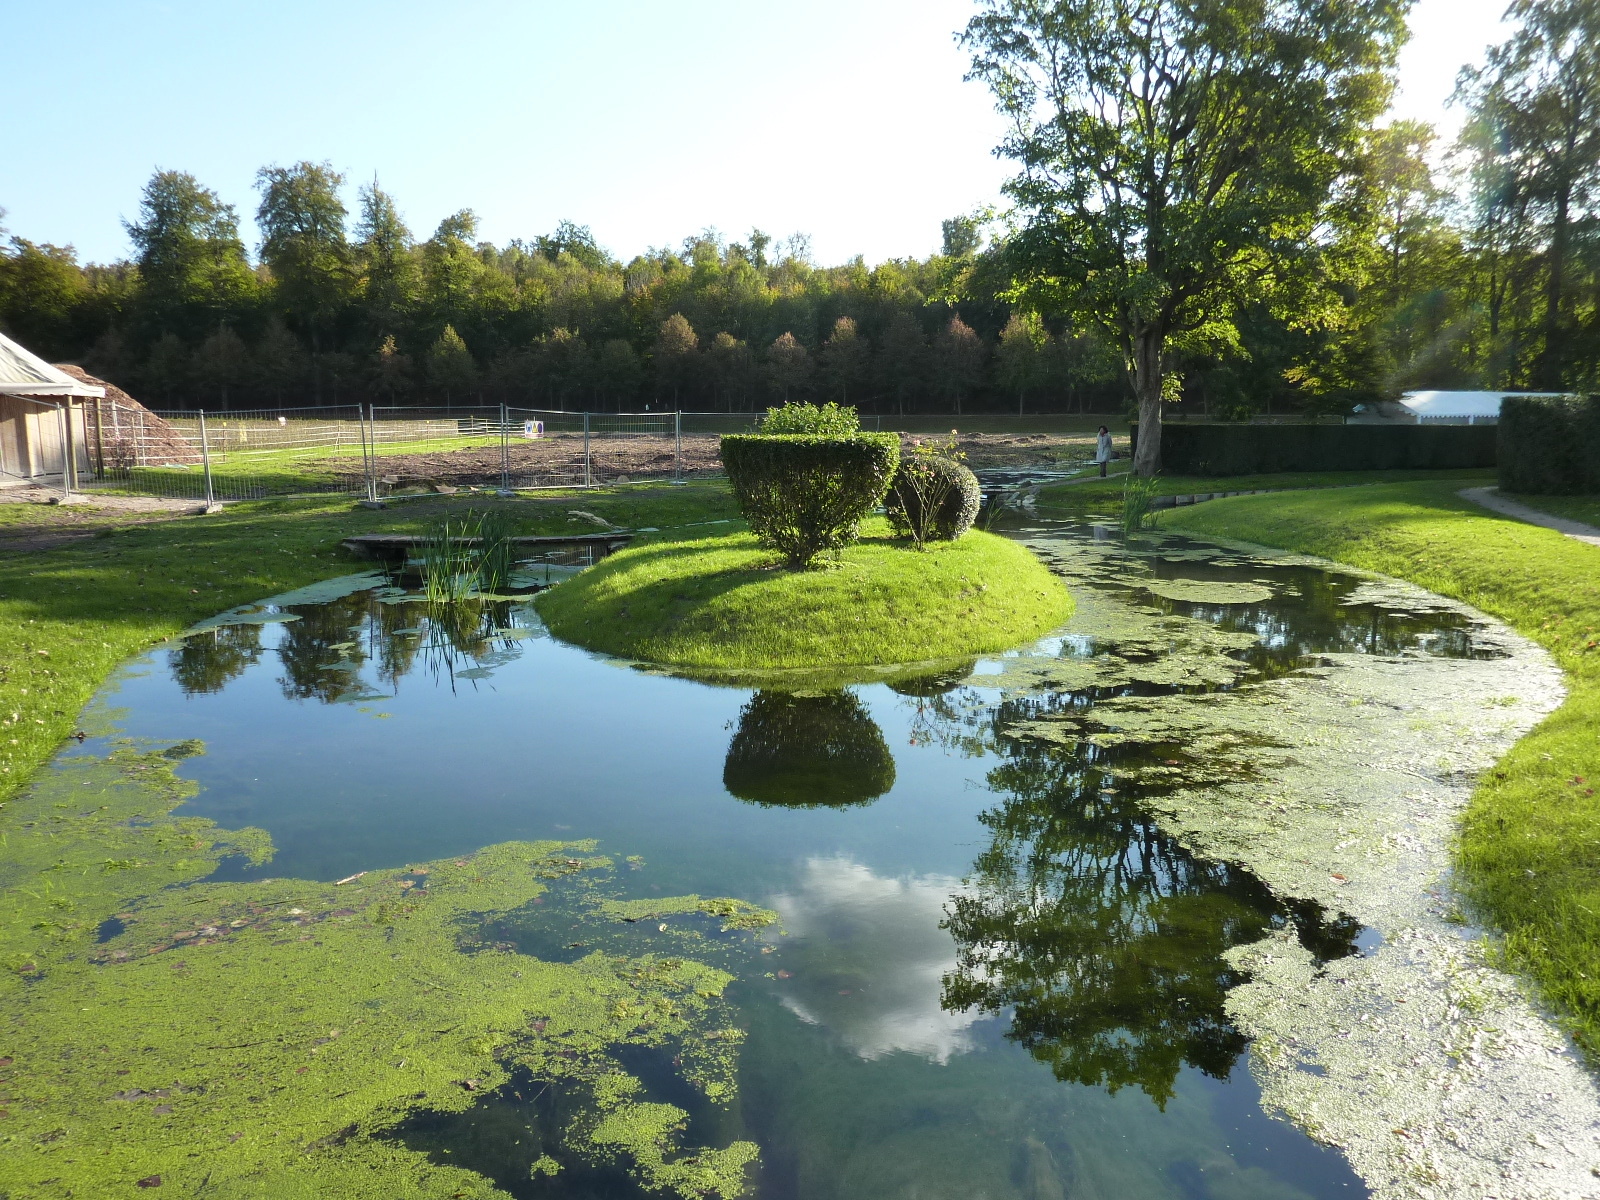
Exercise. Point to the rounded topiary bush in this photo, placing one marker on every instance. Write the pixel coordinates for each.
(932, 499)
(806, 493)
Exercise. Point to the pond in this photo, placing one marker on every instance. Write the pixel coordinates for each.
(964, 960)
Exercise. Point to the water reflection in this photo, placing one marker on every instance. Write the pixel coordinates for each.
(1101, 935)
(207, 662)
(807, 751)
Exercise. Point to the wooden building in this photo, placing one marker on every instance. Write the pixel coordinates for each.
(43, 425)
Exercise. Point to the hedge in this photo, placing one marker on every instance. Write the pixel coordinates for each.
(1266, 449)
(805, 493)
(1550, 445)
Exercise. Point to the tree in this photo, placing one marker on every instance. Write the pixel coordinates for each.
(386, 258)
(673, 355)
(280, 360)
(166, 371)
(303, 243)
(1022, 361)
(958, 358)
(451, 268)
(618, 372)
(222, 362)
(733, 368)
(41, 291)
(192, 266)
(1175, 156)
(450, 364)
(902, 358)
(1540, 94)
(962, 236)
(788, 365)
(846, 360)
(389, 371)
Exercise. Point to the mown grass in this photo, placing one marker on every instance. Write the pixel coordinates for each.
(1529, 846)
(1574, 508)
(1102, 496)
(725, 603)
(69, 616)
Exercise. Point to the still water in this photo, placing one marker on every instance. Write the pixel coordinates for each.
(995, 976)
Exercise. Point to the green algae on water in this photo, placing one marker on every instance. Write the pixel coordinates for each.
(266, 1038)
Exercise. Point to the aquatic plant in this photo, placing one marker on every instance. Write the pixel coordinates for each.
(465, 555)
(1138, 493)
(264, 1037)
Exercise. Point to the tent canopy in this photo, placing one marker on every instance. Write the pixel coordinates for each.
(24, 373)
(1459, 404)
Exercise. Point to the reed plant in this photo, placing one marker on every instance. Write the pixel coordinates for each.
(1138, 497)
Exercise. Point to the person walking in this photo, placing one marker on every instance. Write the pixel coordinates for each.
(1103, 453)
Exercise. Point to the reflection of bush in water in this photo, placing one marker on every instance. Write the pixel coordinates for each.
(937, 684)
(207, 662)
(807, 751)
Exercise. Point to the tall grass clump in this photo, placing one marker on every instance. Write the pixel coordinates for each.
(467, 555)
(1138, 497)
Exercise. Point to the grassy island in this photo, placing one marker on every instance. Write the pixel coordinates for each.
(727, 603)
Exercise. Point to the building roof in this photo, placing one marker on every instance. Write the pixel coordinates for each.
(1459, 404)
(24, 373)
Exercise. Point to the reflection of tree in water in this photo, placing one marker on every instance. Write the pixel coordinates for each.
(206, 662)
(807, 752)
(322, 652)
(1101, 935)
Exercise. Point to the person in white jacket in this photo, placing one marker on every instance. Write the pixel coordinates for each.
(1103, 453)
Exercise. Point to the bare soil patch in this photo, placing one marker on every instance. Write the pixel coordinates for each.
(33, 518)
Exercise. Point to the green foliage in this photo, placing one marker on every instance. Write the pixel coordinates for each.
(715, 604)
(1176, 159)
(1239, 449)
(807, 751)
(933, 497)
(1138, 491)
(1550, 444)
(804, 493)
(1529, 852)
(826, 420)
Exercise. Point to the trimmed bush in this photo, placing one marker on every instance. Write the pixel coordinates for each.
(806, 493)
(932, 499)
(1550, 445)
(830, 419)
(1268, 449)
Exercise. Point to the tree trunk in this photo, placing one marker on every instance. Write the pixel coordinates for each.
(1149, 346)
(1550, 360)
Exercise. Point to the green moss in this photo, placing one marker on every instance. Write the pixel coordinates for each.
(1530, 841)
(263, 1038)
(725, 603)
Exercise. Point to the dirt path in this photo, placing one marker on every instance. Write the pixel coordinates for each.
(34, 518)
(1491, 499)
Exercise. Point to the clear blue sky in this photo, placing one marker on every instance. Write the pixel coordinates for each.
(646, 120)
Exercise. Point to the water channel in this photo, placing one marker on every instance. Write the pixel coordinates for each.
(992, 973)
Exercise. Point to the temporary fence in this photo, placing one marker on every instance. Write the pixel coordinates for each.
(372, 451)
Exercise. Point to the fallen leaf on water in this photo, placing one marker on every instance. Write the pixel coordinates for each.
(348, 879)
(783, 975)
(1339, 877)
(470, 1084)
(662, 927)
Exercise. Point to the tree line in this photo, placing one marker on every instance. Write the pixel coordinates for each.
(1238, 234)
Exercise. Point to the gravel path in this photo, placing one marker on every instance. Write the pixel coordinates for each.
(1491, 498)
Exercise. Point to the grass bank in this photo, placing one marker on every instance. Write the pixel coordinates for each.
(1101, 496)
(69, 616)
(1574, 508)
(722, 603)
(1529, 849)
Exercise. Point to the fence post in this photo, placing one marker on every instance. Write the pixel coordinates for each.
(369, 450)
(205, 461)
(677, 459)
(505, 453)
(64, 416)
(588, 477)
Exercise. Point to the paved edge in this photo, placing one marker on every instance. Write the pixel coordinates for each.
(1490, 498)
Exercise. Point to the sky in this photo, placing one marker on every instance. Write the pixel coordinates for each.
(847, 120)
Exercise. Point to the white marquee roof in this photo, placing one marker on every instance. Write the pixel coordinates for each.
(24, 373)
(1459, 404)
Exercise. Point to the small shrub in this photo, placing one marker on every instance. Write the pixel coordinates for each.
(806, 493)
(827, 420)
(933, 498)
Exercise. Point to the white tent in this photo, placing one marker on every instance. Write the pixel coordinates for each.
(41, 429)
(1458, 406)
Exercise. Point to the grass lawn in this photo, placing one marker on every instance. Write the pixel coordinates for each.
(723, 603)
(1574, 508)
(1105, 496)
(68, 616)
(1529, 850)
